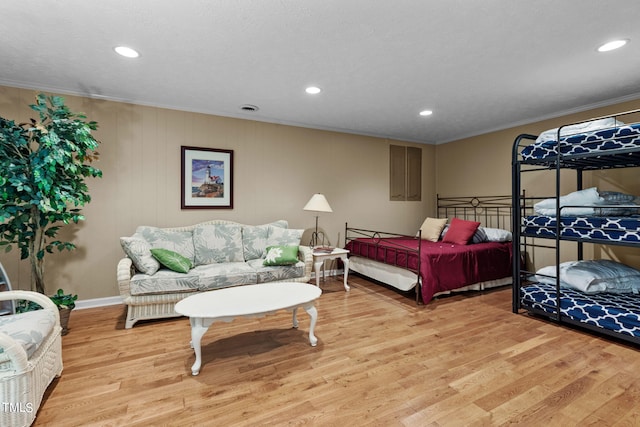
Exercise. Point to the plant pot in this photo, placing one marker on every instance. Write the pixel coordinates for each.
(64, 319)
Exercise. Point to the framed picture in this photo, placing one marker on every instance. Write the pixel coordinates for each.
(207, 178)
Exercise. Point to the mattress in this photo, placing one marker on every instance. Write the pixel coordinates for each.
(405, 280)
(626, 137)
(615, 312)
(607, 229)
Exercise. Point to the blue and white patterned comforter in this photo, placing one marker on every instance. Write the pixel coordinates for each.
(617, 138)
(615, 312)
(610, 229)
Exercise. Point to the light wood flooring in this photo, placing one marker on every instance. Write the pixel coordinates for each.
(381, 360)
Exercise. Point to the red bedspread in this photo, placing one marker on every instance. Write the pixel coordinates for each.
(444, 266)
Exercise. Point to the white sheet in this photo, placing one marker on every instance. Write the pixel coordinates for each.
(405, 280)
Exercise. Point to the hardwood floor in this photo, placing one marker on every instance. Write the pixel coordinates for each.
(463, 360)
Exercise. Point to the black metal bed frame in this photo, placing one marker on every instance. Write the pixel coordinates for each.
(491, 211)
(613, 159)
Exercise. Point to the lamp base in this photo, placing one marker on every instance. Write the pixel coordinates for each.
(317, 239)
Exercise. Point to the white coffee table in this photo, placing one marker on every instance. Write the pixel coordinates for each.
(246, 301)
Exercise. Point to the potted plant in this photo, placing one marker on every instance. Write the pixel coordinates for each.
(44, 164)
(65, 303)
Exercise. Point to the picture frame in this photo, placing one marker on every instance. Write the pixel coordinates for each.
(207, 178)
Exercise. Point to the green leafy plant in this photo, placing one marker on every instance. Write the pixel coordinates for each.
(44, 164)
(63, 300)
(23, 305)
(60, 299)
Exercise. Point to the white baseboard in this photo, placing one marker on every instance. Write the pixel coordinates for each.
(98, 302)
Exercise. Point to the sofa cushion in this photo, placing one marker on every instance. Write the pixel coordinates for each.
(216, 243)
(254, 241)
(29, 329)
(224, 275)
(177, 241)
(276, 273)
(164, 281)
(284, 236)
(139, 250)
(172, 260)
(254, 238)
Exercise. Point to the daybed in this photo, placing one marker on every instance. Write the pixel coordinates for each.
(599, 295)
(438, 259)
(221, 253)
(30, 357)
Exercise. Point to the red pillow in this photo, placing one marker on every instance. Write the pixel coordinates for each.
(460, 231)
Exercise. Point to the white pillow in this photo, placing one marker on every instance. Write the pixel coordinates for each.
(592, 126)
(593, 276)
(588, 196)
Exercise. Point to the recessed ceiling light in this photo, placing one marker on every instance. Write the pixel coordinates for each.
(426, 113)
(126, 51)
(313, 90)
(616, 44)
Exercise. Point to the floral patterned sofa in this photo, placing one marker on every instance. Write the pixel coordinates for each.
(202, 257)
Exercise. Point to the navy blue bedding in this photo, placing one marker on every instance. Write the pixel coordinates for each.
(620, 138)
(616, 312)
(612, 229)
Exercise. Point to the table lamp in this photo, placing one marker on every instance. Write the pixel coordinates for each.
(317, 203)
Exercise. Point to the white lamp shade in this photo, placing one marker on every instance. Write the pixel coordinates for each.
(318, 203)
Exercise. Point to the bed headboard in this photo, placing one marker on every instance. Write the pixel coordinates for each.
(491, 211)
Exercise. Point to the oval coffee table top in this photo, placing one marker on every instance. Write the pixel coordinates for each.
(246, 300)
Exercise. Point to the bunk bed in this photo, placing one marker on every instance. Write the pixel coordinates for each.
(598, 295)
(443, 264)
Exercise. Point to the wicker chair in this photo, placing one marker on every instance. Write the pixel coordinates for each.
(28, 364)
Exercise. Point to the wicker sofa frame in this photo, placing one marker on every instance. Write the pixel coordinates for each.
(160, 306)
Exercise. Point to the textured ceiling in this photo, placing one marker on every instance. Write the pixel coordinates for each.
(479, 65)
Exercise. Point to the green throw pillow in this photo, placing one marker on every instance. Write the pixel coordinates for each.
(172, 260)
(281, 255)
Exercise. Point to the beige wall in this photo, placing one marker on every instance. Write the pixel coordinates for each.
(276, 169)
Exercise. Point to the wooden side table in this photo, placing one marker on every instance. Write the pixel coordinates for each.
(319, 257)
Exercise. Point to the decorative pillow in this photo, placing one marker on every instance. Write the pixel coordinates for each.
(593, 276)
(254, 238)
(281, 255)
(460, 231)
(282, 223)
(177, 241)
(216, 243)
(172, 260)
(497, 234)
(431, 228)
(478, 237)
(139, 251)
(284, 236)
